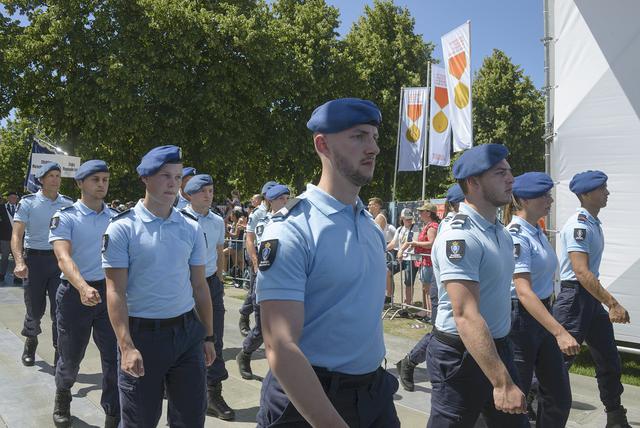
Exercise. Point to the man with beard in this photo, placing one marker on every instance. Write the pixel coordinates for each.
(321, 307)
(579, 305)
(473, 265)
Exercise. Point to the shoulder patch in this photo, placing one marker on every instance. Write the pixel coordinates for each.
(582, 218)
(105, 242)
(515, 228)
(267, 254)
(284, 211)
(54, 222)
(516, 250)
(458, 221)
(455, 249)
(187, 214)
(121, 215)
(579, 234)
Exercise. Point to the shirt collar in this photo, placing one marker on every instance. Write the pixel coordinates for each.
(190, 209)
(482, 222)
(326, 203)
(147, 216)
(85, 210)
(591, 218)
(533, 230)
(42, 197)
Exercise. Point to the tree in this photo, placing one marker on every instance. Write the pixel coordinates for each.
(508, 108)
(14, 152)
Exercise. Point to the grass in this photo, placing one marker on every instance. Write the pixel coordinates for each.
(584, 365)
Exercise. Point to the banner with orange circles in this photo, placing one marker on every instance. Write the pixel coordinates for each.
(440, 125)
(412, 128)
(456, 49)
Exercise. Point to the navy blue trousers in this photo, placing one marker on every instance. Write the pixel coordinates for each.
(583, 316)
(536, 350)
(248, 304)
(418, 354)
(75, 325)
(362, 403)
(217, 372)
(460, 391)
(254, 339)
(172, 356)
(43, 281)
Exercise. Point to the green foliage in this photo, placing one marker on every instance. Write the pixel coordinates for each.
(15, 147)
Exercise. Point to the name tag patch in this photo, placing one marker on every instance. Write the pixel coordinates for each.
(54, 222)
(579, 234)
(267, 254)
(105, 242)
(455, 250)
(516, 250)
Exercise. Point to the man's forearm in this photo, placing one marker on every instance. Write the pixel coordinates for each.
(119, 317)
(72, 273)
(203, 305)
(589, 281)
(17, 248)
(251, 248)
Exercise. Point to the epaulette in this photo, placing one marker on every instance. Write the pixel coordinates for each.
(187, 214)
(66, 197)
(284, 211)
(515, 228)
(122, 214)
(582, 218)
(66, 208)
(458, 221)
(114, 210)
(30, 195)
(448, 217)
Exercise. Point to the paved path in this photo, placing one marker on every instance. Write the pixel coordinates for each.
(26, 393)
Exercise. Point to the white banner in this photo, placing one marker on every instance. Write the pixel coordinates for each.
(68, 164)
(440, 125)
(456, 49)
(412, 128)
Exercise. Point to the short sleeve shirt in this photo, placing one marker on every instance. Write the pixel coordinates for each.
(158, 254)
(260, 226)
(256, 216)
(181, 201)
(534, 255)
(329, 256)
(83, 228)
(581, 233)
(35, 211)
(479, 251)
(213, 227)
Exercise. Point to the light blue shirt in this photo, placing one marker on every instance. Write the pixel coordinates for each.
(477, 251)
(581, 233)
(534, 255)
(182, 201)
(262, 223)
(83, 227)
(213, 227)
(158, 254)
(35, 211)
(255, 217)
(446, 219)
(330, 257)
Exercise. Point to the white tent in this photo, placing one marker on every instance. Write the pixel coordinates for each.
(596, 106)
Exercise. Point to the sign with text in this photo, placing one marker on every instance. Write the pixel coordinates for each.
(68, 164)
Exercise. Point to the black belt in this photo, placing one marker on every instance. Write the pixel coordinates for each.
(343, 380)
(32, 252)
(454, 340)
(546, 302)
(210, 277)
(570, 284)
(95, 284)
(158, 324)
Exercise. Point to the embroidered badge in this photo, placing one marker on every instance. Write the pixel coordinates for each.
(267, 254)
(105, 242)
(54, 222)
(259, 230)
(455, 250)
(516, 250)
(579, 234)
(582, 218)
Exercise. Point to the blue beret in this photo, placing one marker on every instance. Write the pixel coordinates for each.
(587, 181)
(478, 159)
(90, 167)
(455, 194)
(266, 186)
(343, 113)
(49, 166)
(276, 191)
(531, 185)
(197, 183)
(187, 171)
(156, 157)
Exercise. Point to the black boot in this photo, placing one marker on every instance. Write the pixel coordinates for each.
(244, 325)
(111, 421)
(29, 353)
(61, 408)
(405, 371)
(617, 418)
(244, 364)
(216, 406)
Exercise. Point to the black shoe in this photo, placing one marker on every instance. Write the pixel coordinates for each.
(216, 406)
(617, 418)
(245, 328)
(387, 300)
(61, 408)
(244, 364)
(111, 421)
(29, 353)
(405, 372)
(17, 281)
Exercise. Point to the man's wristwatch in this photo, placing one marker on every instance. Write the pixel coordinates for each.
(210, 339)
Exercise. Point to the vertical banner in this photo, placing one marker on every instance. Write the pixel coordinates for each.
(456, 49)
(412, 128)
(30, 183)
(440, 125)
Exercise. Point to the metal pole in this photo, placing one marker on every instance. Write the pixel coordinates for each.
(426, 139)
(548, 108)
(395, 173)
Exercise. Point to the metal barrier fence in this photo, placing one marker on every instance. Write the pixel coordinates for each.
(399, 308)
(237, 265)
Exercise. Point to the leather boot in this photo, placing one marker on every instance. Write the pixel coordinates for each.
(216, 406)
(29, 353)
(405, 371)
(111, 421)
(62, 408)
(244, 364)
(617, 418)
(245, 328)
